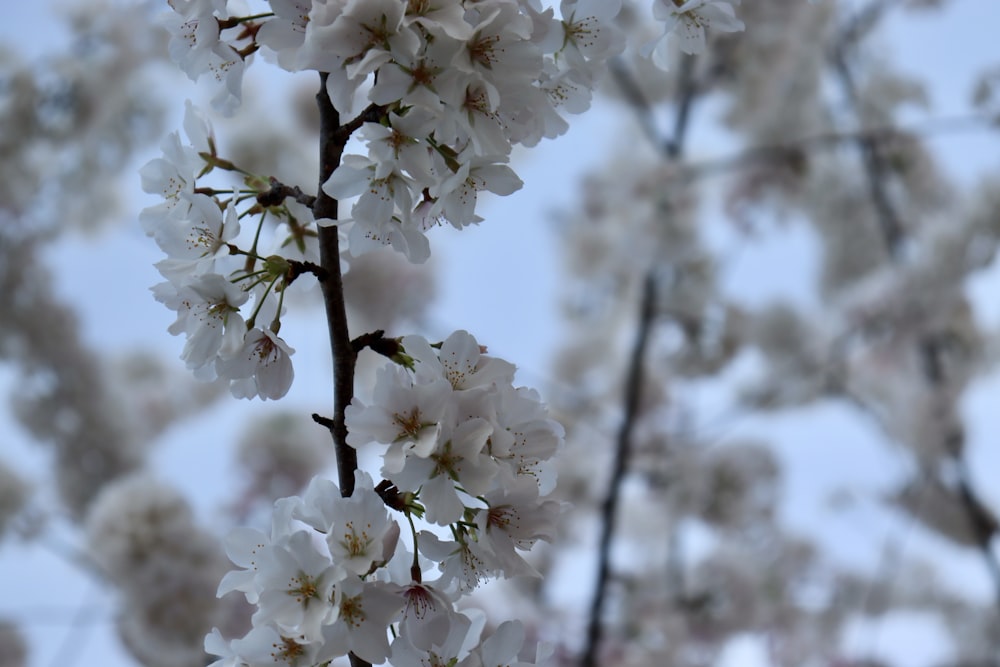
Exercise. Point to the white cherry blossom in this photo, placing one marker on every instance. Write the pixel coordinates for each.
(458, 194)
(588, 30)
(200, 235)
(361, 534)
(285, 33)
(262, 366)
(404, 414)
(688, 21)
(296, 583)
(460, 361)
(208, 313)
(171, 176)
(364, 611)
(197, 46)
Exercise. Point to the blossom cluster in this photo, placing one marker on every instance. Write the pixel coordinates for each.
(462, 448)
(449, 86)
(209, 278)
(438, 91)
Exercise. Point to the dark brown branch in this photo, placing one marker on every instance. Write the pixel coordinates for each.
(279, 192)
(672, 150)
(390, 495)
(332, 139)
(982, 523)
(377, 343)
(325, 422)
(687, 92)
(633, 384)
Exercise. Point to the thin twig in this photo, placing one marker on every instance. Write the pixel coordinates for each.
(796, 149)
(874, 162)
(278, 192)
(687, 90)
(71, 648)
(635, 98)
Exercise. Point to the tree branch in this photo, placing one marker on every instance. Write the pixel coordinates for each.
(794, 151)
(874, 161)
(633, 384)
(894, 235)
(279, 191)
(672, 151)
(333, 138)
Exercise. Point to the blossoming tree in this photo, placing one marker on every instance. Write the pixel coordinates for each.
(446, 469)
(440, 93)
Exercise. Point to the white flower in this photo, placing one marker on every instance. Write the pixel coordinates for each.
(171, 177)
(459, 361)
(403, 142)
(459, 460)
(525, 439)
(358, 38)
(197, 48)
(588, 30)
(419, 646)
(365, 610)
(296, 584)
(463, 564)
(689, 21)
(194, 34)
(515, 519)
(262, 366)
(403, 414)
(265, 645)
(502, 647)
(381, 215)
(439, 16)
(500, 49)
(208, 312)
(246, 546)
(198, 129)
(382, 186)
(429, 617)
(285, 32)
(472, 115)
(420, 80)
(216, 644)
(199, 236)
(457, 194)
(361, 533)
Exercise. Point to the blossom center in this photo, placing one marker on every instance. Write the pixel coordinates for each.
(351, 611)
(355, 544)
(304, 588)
(410, 424)
(288, 650)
